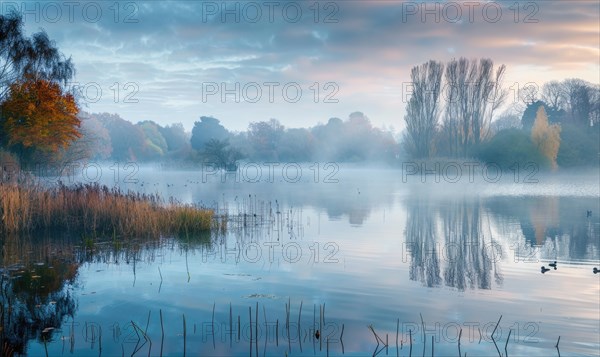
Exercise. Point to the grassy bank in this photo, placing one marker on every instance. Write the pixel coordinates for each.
(94, 210)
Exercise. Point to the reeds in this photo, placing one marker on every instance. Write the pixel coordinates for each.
(94, 210)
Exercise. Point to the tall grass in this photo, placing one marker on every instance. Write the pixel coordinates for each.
(97, 211)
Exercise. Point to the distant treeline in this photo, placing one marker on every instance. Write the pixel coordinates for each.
(109, 137)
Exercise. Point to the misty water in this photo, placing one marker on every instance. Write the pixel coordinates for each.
(345, 247)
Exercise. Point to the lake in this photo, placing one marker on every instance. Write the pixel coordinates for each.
(378, 261)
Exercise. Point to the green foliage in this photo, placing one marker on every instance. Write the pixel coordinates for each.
(155, 143)
(579, 146)
(206, 129)
(35, 57)
(219, 154)
(128, 140)
(175, 136)
(511, 146)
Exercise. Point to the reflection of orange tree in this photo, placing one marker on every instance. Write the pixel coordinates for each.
(543, 213)
(34, 301)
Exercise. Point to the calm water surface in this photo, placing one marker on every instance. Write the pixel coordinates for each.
(421, 263)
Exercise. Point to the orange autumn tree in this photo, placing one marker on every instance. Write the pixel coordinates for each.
(546, 137)
(38, 116)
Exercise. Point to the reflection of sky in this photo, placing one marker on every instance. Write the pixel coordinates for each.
(369, 285)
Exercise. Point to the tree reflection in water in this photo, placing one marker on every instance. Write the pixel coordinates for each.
(38, 278)
(35, 299)
(453, 235)
(468, 237)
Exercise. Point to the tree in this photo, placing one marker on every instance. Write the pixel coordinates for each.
(355, 138)
(97, 136)
(422, 111)
(36, 57)
(530, 114)
(206, 129)
(264, 138)
(579, 146)
(296, 145)
(156, 145)
(94, 142)
(128, 140)
(328, 138)
(38, 116)
(554, 95)
(546, 137)
(509, 147)
(219, 154)
(474, 94)
(507, 120)
(581, 101)
(175, 136)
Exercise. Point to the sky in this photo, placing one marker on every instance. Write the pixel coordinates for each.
(301, 62)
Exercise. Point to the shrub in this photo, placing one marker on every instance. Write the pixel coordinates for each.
(579, 146)
(509, 147)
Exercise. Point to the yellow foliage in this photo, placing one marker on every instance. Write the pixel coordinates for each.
(546, 137)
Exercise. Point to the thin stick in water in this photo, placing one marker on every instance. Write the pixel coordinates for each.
(147, 322)
(250, 314)
(299, 330)
(213, 325)
(397, 332)
(184, 336)
(410, 338)
(266, 330)
(506, 344)
(256, 329)
(494, 340)
(342, 338)
(162, 332)
(459, 337)
(498, 323)
(431, 345)
(424, 339)
(320, 327)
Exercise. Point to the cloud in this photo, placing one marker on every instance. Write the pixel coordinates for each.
(171, 48)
